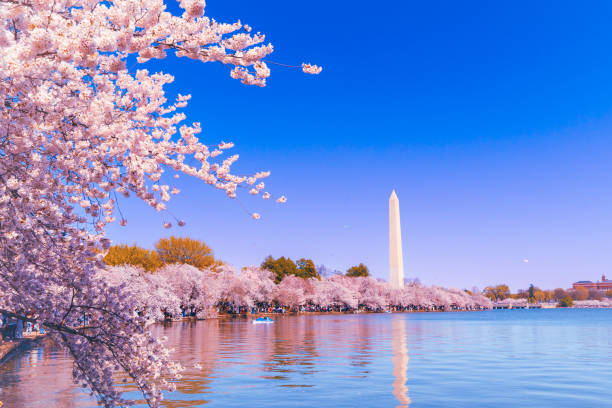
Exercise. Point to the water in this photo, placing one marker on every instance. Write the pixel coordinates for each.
(504, 358)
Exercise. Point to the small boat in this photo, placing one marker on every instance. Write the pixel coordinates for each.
(264, 319)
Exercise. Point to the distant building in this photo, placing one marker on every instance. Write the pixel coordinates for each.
(605, 284)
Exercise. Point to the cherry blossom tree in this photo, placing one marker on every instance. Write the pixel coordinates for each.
(593, 303)
(319, 293)
(290, 292)
(179, 287)
(235, 289)
(260, 283)
(197, 291)
(155, 296)
(372, 293)
(481, 301)
(79, 129)
(343, 291)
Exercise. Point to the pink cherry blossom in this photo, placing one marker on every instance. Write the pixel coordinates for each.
(81, 129)
(311, 69)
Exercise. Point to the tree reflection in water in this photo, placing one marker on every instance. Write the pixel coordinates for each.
(39, 379)
(335, 360)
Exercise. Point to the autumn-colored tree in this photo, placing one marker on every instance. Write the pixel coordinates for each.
(560, 294)
(217, 264)
(594, 294)
(535, 294)
(133, 255)
(521, 294)
(499, 292)
(281, 267)
(580, 293)
(549, 295)
(539, 295)
(359, 270)
(609, 293)
(185, 251)
(531, 291)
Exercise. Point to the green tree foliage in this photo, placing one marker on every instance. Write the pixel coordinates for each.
(133, 255)
(566, 301)
(185, 251)
(359, 270)
(306, 269)
(281, 267)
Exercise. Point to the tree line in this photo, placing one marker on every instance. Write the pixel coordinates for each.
(182, 277)
(188, 251)
(177, 290)
(534, 294)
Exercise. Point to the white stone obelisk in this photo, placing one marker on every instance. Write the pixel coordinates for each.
(396, 261)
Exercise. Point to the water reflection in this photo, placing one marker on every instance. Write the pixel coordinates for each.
(40, 378)
(228, 362)
(400, 361)
(514, 358)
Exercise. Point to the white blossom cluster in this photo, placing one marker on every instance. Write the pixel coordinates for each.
(184, 287)
(593, 303)
(78, 130)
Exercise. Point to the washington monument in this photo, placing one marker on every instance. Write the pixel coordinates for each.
(396, 262)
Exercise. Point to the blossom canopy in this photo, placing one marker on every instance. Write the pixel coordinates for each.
(78, 130)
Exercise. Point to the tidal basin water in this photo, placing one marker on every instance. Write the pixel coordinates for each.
(505, 358)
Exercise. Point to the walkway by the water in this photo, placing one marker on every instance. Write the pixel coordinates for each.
(10, 348)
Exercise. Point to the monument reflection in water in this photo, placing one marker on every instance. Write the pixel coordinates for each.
(462, 359)
(324, 361)
(399, 349)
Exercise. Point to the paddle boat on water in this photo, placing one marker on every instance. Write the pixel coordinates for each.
(264, 319)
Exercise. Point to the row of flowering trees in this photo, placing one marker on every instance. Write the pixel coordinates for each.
(179, 288)
(593, 303)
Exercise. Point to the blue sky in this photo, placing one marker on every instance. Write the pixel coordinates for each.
(491, 121)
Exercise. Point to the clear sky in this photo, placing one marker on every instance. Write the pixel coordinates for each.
(491, 120)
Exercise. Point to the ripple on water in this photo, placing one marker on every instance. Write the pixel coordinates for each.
(534, 358)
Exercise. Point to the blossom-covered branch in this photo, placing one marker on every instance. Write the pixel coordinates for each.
(77, 131)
